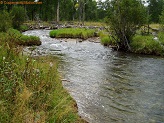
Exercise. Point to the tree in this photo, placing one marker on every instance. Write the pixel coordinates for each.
(90, 10)
(162, 20)
(5, 21)
(155, 9)
(18, 16)
(125, 17)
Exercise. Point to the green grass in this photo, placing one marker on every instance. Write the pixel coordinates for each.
(106, 39)
(31, 90)
(16, 37)
(23, 28)
(72, 33)
(146, 45)
(161, 37)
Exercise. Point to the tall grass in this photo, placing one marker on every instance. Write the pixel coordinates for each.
(106, 39)
(161, 37)
(16, 37)
(31, 90)
(146, 45)
(72, 33)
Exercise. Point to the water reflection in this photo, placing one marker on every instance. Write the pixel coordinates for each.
(110, 87)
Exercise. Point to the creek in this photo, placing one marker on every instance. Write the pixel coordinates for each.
(108, 86)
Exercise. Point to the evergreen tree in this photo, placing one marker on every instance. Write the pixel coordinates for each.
(155, 9)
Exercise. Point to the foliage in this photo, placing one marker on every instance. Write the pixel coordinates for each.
(146, 45)
(18, 16)
(162, 20)
(72, 33)
(122, 21)
(69, 10)
(91, 11)
(31, 90)
(161, 37)
(5, 21)
(155, 9)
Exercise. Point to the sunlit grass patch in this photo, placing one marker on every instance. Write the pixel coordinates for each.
(72, 33)
(106, 39)
(146, 45)
(16, 37)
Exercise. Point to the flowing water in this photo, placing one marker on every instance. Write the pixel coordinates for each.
(108, 86)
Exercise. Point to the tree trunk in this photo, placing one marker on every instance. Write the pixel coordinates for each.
(58, 12)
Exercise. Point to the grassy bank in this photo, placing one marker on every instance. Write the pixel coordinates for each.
(72, 33)
(19, 39)
(147, 45)
(106, 39)
(31, 90)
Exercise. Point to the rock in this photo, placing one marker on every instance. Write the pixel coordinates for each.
(156, 38)
(56, 47)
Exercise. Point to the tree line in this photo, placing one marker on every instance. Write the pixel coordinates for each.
(79, 10)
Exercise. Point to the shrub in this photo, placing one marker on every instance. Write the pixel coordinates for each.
(5, 21)
(18, 16)
(146, 45)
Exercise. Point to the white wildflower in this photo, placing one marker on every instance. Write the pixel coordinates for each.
(4, 58)
(51, 64)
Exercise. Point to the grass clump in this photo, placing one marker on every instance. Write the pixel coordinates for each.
(161, 37)
(72, 33)
(30, 89)
(106, 39)
(146, 45)
(23, 28)
(16, 37)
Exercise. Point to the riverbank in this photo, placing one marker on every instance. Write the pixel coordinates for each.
(31, 89)
(91, 70)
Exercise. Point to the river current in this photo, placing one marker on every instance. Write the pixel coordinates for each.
(108, 86)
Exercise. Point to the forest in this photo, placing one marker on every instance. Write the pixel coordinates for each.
(77, 10)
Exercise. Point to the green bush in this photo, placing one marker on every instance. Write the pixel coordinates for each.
(18, 15)
(146, 45)
(72, 33)
(5, 21)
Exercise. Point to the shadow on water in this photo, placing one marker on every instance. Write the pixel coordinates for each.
(109, 87)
